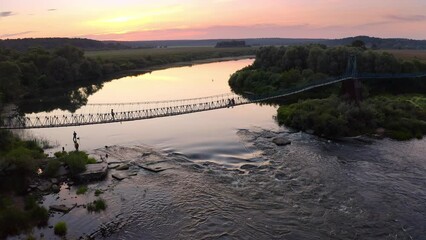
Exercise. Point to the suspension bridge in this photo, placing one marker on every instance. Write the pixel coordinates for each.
(123, 112)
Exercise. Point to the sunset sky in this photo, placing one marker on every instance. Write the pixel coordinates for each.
(202, 19)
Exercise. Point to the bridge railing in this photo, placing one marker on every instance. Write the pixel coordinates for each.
(143, 110)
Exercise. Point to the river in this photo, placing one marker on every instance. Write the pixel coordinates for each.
(225, 179)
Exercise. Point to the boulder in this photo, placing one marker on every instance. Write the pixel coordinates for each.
(119, 176)
(248, 166)
(44, 186)
(280, 176)
(94, 172)
(113, 166)
(55, 188)
(281, 141)
(123, 166)
(61, 208)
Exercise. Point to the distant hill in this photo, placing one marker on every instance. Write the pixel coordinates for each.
(371, 42)
(214, 42)
(381, 43)
(49, 43)
(88, 44)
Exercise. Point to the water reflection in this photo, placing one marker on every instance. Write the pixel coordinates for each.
(59, 100)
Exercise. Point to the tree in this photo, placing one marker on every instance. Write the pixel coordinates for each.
(10, 80)
(358, 44)
(60, 70)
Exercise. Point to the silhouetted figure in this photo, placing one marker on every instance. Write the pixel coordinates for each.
(74, 137)
(232, 102)
(112, 114)
(76, 145)
(106, 155)
(63, 149)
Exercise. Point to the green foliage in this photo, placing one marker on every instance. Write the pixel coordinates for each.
(60, 154)
(24, 159)
(90, 160)
(60, 229)
(97, 205)
(10, 80)
(52, 168)
(277, 69)
(76, 161)
(14, 220)
(98, 192)
(403, 117)
(36, 70)
(82, 190)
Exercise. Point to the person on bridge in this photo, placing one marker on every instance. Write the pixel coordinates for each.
(112, 114)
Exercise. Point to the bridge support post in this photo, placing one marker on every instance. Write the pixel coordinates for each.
(352, 88)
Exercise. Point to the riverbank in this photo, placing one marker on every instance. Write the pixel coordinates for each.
(143, 70)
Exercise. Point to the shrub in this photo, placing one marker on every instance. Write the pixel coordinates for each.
(39, 215)
(98, 192)
(90, 161)
(24, 159)
(97, 205)
(52, 168)
(60, 154)
(12, 221)
(81, 190)
(76, 162)
(60, 228)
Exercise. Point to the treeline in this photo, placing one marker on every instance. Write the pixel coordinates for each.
(380, 43)
(233, 43)
(52, 43)
(277, 68)
(38, 68)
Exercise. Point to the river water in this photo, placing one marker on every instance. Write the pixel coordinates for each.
(226, 179)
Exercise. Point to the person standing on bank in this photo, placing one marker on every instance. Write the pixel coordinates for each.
(74, 137)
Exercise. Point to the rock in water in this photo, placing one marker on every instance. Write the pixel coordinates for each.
(248, 166)
(119, 176)
(123, 167)
(55, 188)
(281, 141)
(61, 208)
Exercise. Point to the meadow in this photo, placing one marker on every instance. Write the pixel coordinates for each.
(408, 54)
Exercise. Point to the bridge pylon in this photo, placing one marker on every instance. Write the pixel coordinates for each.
(352, 87)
